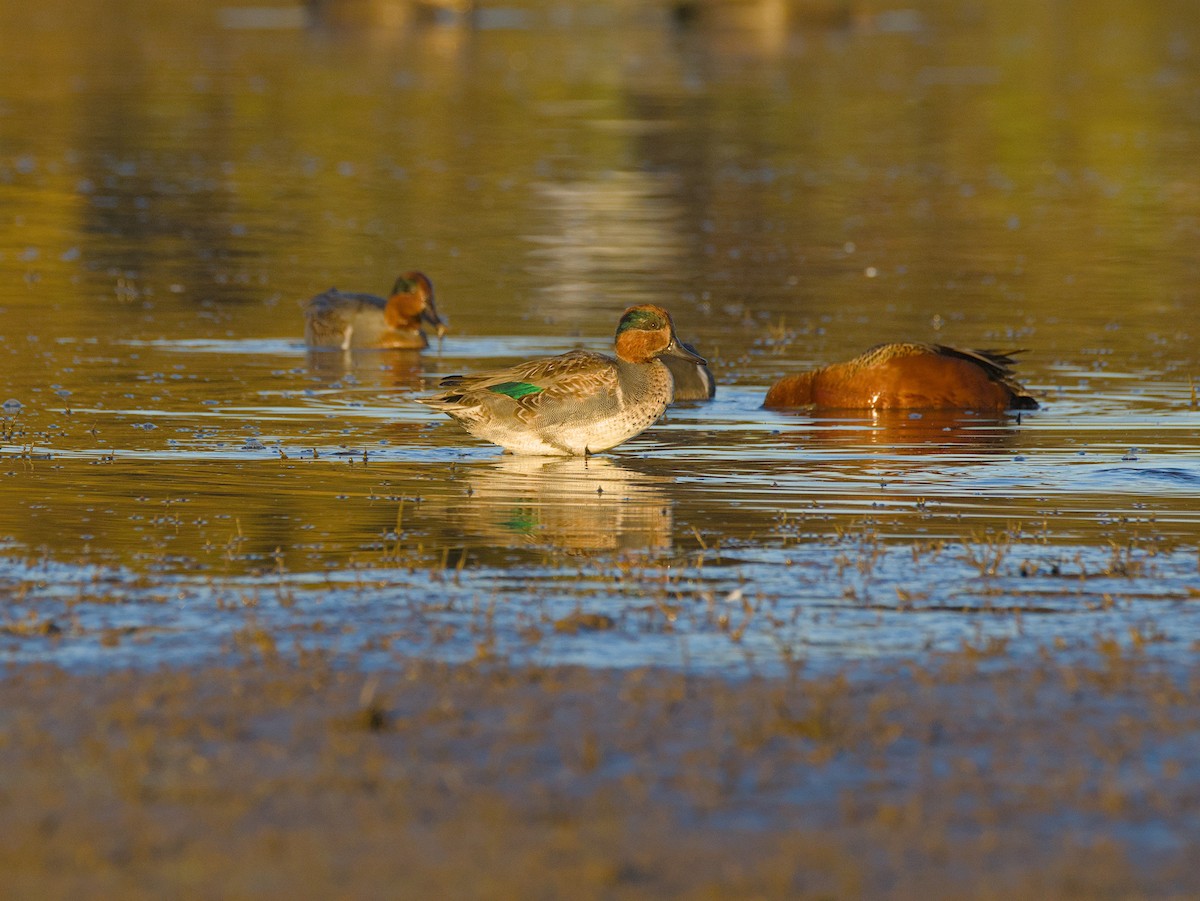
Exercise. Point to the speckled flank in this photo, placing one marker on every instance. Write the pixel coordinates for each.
(597, 423)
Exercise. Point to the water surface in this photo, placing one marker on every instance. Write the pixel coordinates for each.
(182, 480)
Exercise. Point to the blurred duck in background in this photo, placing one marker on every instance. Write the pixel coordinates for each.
(338, 321)
(693, 381)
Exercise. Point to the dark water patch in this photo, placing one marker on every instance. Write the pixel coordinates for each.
(1171, 476)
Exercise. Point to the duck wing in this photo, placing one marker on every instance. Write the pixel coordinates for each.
(997, 364)
(334, 300)
(527, 388)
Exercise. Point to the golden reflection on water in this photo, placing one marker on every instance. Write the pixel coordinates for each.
(609, 236)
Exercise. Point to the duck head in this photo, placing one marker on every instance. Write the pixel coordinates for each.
(411, 302)
(646, 332)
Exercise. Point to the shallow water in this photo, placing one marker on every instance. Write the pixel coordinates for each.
(183, 480)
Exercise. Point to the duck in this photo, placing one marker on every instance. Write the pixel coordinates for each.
(577, 403)
(909, 376)
(336, 319)
(693, 381)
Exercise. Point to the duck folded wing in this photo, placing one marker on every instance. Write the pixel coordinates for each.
(532, 385)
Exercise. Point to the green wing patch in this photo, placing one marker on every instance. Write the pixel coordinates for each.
(516, 390)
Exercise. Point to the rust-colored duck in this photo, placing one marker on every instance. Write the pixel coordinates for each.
(908, 376)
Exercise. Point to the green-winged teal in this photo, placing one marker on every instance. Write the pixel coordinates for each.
(346, 321)
(579, 402)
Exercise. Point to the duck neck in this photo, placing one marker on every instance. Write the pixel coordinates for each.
(649, 377)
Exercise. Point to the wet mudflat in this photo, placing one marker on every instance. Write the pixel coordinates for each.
(255, 600)
(960, 776)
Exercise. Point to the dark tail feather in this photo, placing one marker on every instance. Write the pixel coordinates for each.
(999, 364)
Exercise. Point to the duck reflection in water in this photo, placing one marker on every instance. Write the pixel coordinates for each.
(905, 431)
(570, 504)
(368, 368)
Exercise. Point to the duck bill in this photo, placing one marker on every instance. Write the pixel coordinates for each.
(685, 352)
(430, 316)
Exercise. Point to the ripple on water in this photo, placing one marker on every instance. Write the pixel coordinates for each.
(1170, 476)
